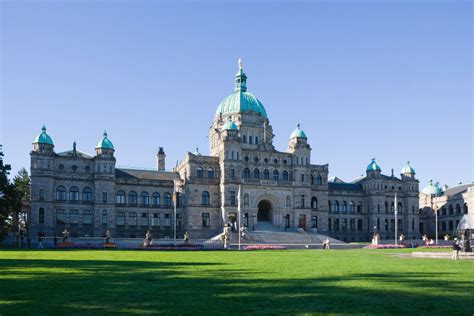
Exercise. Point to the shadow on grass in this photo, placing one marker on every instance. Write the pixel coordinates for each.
(141, 287)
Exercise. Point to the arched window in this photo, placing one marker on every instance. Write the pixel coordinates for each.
(167, 199)
(132, 198)
(450, 208)
(392, 207)
(344, 206)
(329, 206)
(336, 206)
(458, 209)
(246, 173)
(284, 175)
(200, 172)
(386, 207)
(155, 199)
(256, 140)
(250, 139)
(74, 194)
(465, 208)
(246, 200)
(319, 180)
(205, 198)
(120, 198)
(87, 194)
(314, 203)
(266, 174)
(288, 201)
(359, 207)
(276, 175)
(399, 207)
(443, 210)
(256, 173)
(244, 139)
(144, 199)
(210, 173)
(352, 207)
(61, 193)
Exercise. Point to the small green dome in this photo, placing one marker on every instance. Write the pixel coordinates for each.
(298, 132)
(373, 166)
(43, 138)
(432, 189)
(241, 100)
(229, 125)
(105, 142)
(408, 169)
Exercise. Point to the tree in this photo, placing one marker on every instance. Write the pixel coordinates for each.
(21, 199)
(6, 196)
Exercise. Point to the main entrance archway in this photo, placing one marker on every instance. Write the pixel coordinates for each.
(264, 209)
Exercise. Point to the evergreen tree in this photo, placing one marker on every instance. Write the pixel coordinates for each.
(7, 193)
(21, 199)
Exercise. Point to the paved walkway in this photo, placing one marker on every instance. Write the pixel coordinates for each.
(443, 255)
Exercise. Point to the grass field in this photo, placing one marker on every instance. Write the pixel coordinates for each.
(266, 282)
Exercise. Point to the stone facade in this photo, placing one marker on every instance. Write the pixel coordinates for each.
(451, 204)
(282, 189)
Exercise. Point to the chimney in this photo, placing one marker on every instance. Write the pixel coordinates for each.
(160, 159)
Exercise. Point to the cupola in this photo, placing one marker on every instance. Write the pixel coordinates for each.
(104, 146)
(43, 142)
(298, 132)
(432, 189)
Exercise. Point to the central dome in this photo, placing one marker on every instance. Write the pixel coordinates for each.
(241, 100)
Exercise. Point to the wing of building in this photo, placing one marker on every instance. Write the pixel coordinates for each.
(279, 189)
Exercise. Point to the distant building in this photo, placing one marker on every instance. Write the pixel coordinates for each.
(279, 189)
(450, 203)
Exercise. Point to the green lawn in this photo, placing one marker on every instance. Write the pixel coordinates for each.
(266, 282)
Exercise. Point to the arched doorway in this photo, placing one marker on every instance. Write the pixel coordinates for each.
(264, 208)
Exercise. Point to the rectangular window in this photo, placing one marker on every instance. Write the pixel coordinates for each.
(302, 177)
(120, 219)
(41, 215)
(155, 220)
(87, 217)
(329, 224)
(336, 224)
(232, 198)
(61, 217)
(413, 224)
(450, 224)
(41, 194)
(443, 226)
(74, 216)
(167, 220)
(104, 197)
(132, 219)
(359, 225)
(302, 201)
(179, 220)
(104, 217)
(314, 222)
(352, 224)
(144, 219)
(206, 220)
(232, 173)
(386, 225)
(344, 224)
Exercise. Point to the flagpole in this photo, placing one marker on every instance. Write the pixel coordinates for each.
(396, 222)
(238, 213)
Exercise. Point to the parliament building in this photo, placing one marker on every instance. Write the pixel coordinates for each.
(280, 190)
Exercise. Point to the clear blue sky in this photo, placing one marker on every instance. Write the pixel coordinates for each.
(364, 78)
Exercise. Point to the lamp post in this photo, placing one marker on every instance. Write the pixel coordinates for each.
(396, 221)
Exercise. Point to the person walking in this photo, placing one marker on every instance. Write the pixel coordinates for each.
(40, 241)
(456, 248)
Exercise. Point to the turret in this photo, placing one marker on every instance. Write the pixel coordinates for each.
(160, 159)
(104, 147)
(43, 143)
(407, 172)
(373, 170)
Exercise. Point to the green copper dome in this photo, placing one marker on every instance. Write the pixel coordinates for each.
(373, 166)
(229, 125)
(408, 169)
(105, 142)
(432, 189)
(43, 138)
(241, 100)
(298, 132)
